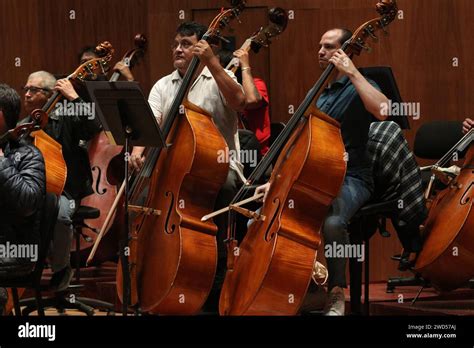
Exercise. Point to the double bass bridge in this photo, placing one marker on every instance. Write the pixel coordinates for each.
(144, 210)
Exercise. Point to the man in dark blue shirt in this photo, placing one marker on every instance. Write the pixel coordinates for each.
(352, 100)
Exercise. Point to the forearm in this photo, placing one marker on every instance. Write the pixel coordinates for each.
(372, 98)
(253, 98)
(229, 88)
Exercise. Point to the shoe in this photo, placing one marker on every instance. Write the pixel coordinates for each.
(61, 279)
(314, 300)
(336, 302)
(3, 300)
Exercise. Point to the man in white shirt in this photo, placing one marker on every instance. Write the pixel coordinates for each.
(217, 91)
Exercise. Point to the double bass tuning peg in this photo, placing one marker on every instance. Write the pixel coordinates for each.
(364, 46)
(370, 31)
(223, 39)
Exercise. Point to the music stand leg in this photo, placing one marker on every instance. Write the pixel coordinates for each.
(126, 237)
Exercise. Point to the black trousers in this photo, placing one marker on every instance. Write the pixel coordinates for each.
(224, 197)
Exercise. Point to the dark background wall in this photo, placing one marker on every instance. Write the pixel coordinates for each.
(421, 49)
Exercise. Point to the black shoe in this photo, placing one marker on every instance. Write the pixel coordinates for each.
(60, 280)
(3, 300)
(406, 263)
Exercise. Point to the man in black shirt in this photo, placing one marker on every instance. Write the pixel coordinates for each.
(70, 130)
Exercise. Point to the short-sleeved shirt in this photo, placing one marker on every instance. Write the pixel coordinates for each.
(258, 120)
(204, 92)
(341, 101)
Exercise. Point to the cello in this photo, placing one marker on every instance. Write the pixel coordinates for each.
(173, 255)
(446, 260)
(106, 162)
(269, 273)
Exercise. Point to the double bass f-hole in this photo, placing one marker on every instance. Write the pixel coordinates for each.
(170, 229)
(467, 197)
(98, 190)
(268, 236)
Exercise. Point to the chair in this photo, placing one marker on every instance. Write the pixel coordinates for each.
(60, 300)
(383, 76)
(364, 224)
(33, 279)
(372, 216)
(426, 146)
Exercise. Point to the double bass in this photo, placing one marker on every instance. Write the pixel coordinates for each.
(262, 38)
(446, 260)
(269, 272)
(106, 162)
(56, 171)
(278, 22)
(173, 255)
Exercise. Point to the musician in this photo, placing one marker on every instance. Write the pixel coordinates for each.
(217, 91)
(467, 125)
(88, 53)
(70, 131)
(22, 190)
(351, 99)
(256, 116)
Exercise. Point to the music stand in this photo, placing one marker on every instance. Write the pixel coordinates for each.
(127, 120)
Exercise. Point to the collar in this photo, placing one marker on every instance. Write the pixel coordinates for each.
(175, 76)
(338, 83)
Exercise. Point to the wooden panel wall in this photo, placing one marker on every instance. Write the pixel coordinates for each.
(421, 48)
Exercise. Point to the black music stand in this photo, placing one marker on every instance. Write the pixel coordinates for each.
(127, 120)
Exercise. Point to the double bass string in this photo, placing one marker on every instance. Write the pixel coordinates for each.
(152, 158)
(285, 134)
(277, 146)
(449, 155)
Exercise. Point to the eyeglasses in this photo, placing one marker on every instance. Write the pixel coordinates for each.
(34, 90)
(184, 45)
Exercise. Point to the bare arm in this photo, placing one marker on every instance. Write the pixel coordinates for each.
(253, 98)
(228, 87)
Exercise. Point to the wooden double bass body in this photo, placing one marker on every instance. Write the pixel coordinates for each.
(447, 258)
(107, 167)
(274, 264)
(177, 253)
